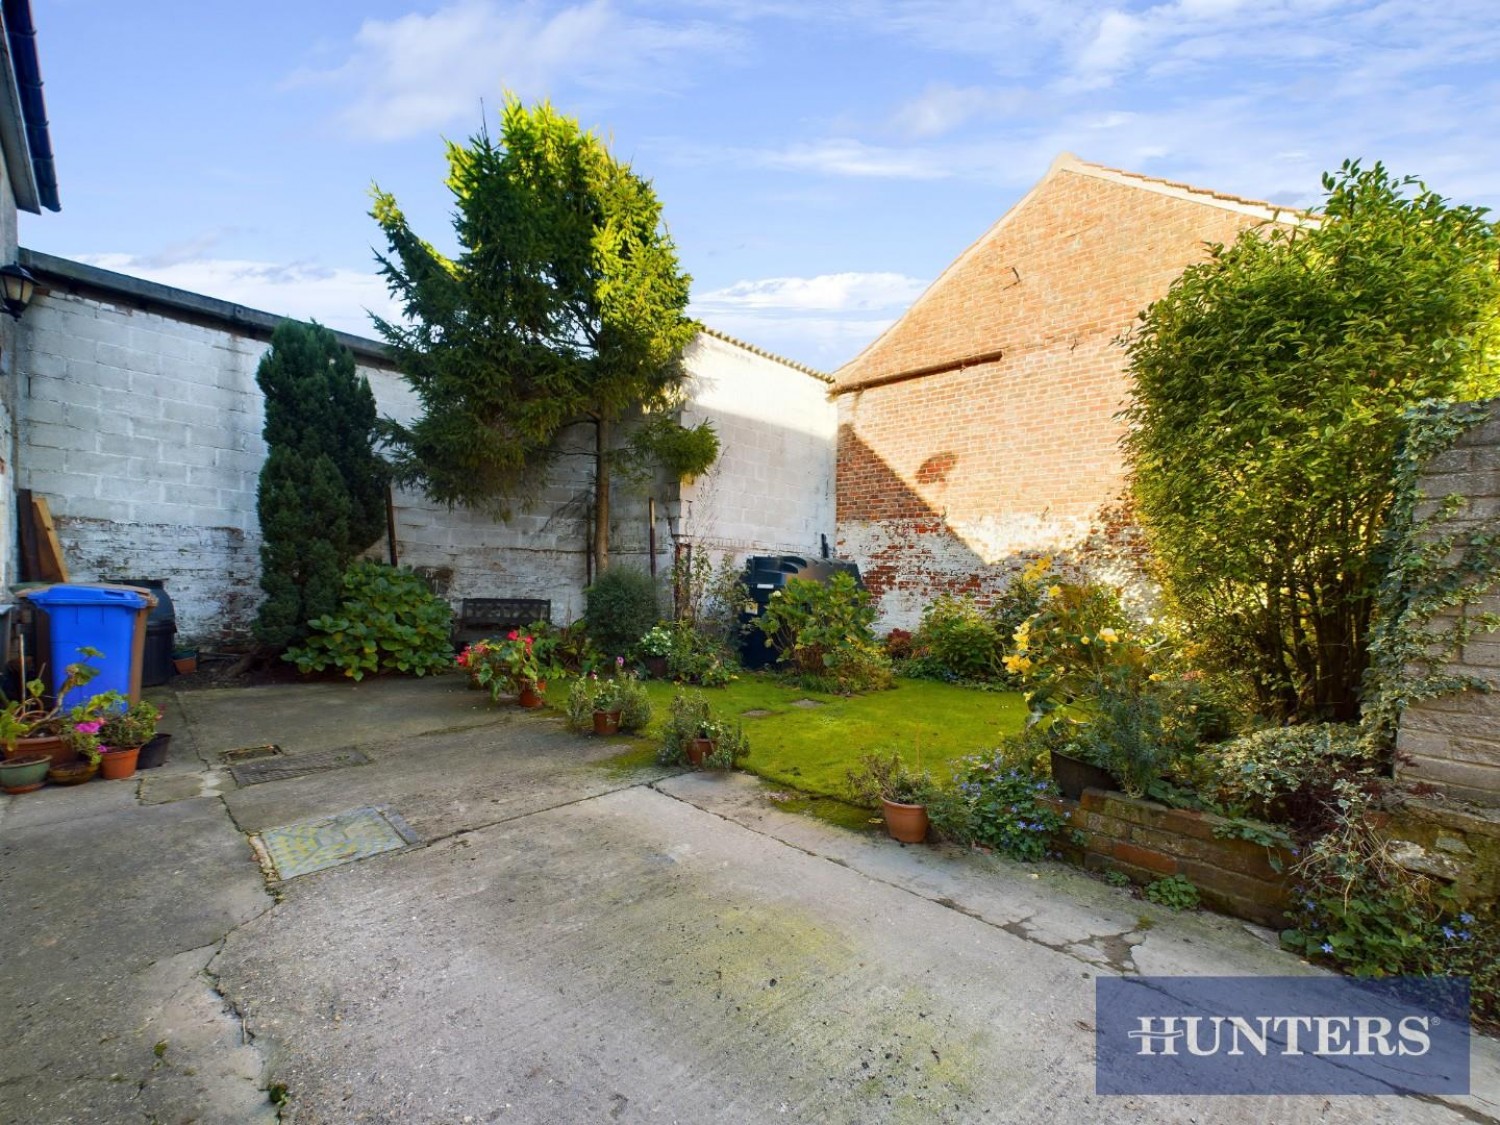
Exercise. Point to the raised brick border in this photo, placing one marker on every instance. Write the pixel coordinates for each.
(1147, 841)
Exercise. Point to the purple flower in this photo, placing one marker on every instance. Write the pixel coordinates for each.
(1326, 948)
(1448, 932)
(619, 662)
(89, 727)
(1466, 919)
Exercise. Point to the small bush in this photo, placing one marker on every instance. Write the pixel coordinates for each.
(388, 621)
(823, 632)
(886, 777)
(620, 608)
(959, 640)
(691, 717)
(1289, 773)
(1175, 892)
(696, 658)
(1003, 806)
(623, 693)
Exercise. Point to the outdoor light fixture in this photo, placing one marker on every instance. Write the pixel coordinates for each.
(19, 286)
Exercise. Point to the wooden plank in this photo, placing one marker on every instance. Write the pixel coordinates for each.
(31, 563)
(54, 567)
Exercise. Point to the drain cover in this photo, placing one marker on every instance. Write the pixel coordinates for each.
(280, 768)
(248, 753)
(314, 845)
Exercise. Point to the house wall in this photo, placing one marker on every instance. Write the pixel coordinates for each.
(141, 426)
(771, 491)
(9, 394)
(954, 481)
(1453, 741)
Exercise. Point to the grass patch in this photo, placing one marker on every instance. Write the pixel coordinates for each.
(812, 749)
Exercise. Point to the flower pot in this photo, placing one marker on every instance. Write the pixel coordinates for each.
(1073, 776)
(51, 745)
(154, 753)
(656, 667)
(606, 722)
(907, 823)
(530, 695)
(185, 665)
(699, 750)
(22, 775)
(117, 765)
(74, 773)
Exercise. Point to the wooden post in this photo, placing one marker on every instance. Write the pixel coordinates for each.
(390, 524)
(651, 531)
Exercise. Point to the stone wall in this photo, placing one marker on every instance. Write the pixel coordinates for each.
(1453, 742)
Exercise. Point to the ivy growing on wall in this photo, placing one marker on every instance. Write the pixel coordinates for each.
(1440, 563)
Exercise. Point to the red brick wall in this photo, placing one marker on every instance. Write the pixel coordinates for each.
(952, 481)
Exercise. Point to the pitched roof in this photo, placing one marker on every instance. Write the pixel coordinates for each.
(792, 363)
(1017, 285)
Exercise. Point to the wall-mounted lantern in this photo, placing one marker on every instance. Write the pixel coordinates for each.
(18, 286)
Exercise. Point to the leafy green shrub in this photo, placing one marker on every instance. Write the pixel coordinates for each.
(623, 693)
(697, 658)
(388, 621)
(1175, 892)
(1003, 806)
(823, 631)
(958, 640)
(620, 608)
(1289, 773)
(691, 718)
(887, 777)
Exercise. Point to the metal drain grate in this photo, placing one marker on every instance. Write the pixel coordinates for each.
(248, 753)
(280, 768)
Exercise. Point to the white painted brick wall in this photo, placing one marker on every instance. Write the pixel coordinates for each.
(143, 432)
(771, 491)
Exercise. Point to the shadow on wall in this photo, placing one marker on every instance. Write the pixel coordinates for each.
(909, 554)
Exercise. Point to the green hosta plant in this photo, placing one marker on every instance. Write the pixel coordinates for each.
(388, 621)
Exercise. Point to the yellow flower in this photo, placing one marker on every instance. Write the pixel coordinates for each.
(1083, 640)
(1108, 636)
(1053, 591)
(1154, 677)
(1017, 664)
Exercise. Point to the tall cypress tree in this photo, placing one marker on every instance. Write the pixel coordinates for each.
(322, 489)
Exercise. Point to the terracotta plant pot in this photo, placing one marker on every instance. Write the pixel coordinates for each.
(117, 765)
(1073, 776)
(530, 695)
(185, 665)
(51, 745)
(22, 775)
(699, 750)
(907, 823)
(74, 773)
(606, 722)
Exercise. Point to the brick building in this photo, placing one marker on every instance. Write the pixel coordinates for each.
(980, 431)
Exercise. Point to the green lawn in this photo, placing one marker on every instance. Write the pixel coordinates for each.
(813, 748)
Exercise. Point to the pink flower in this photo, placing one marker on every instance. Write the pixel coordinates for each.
(88, 728)
(619, 662)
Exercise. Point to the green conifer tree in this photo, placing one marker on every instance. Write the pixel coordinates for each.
(321, 499)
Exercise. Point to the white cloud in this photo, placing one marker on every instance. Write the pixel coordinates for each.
(845, 157)
(333, 297)
(422, 72)
(826, 293)
(942, 108)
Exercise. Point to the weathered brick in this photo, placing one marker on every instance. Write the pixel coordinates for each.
(1147, 858)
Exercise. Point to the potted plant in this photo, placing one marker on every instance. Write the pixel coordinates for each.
(24, 772)
(654, 648)
(29, 726)
(696, 737)
(121, 736)
(903, 794)
(185, 660)
(512, 666)
(608, 706)
(473, 660)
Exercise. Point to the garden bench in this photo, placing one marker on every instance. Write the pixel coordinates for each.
(479, 618)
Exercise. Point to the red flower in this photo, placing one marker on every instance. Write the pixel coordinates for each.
(512, 635)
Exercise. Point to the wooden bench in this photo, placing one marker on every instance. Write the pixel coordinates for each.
(479, 618)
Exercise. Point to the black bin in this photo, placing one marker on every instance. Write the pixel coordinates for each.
(161, 632)
(763, 576)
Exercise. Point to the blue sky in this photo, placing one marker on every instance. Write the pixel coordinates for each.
(818, 163)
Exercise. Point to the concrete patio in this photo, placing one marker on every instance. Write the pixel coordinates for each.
(564, 940)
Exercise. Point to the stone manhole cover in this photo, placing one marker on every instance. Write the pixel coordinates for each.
(314, 845)
(279, 768)
(807, 703)
(757, 713)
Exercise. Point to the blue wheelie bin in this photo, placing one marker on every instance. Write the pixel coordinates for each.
(106, 618)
